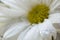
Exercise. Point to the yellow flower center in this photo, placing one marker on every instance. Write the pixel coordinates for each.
(38, 13)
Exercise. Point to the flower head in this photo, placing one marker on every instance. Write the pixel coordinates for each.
(33, 19)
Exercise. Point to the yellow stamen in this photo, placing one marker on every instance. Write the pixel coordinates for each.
(38, 13)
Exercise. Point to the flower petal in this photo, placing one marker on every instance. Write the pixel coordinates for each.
(47, 2)
(32, 34)
(17, 3)
(15, 28)
(54, 5)
(3, 24)
(23, 3)
(4, 19)
(22, 35)
(12, 12)
(47, 30)
(55, 18)
(53, 2)
(11, 3)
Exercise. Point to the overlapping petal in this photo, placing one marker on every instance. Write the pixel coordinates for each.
(15, 28)
(32, 34)
(55, 18)
(22, 34)
(47, 30)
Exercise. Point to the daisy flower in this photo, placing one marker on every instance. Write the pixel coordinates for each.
(33, 19)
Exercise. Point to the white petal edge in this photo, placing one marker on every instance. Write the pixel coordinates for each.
(55, 18)
(47, 30)
(32, 34)
(15, 28)
(22, 35)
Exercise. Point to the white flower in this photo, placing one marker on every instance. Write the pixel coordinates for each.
(31, 30)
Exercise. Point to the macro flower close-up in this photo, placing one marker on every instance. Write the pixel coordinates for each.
(31, 19)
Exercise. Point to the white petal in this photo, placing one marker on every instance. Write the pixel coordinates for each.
(55, 18)
(54, 5)
(2, 15)
(47, 30)
(1, 4)
(23, 3)
(5, 19)
(34, 2)
(53, 2)
(47, 2)
(11, 3)
(32, 34)
(3, 24)
(47, 24)
(22, 35)
(15, 28)
(2, 19)
(18, 3)
(12, 12)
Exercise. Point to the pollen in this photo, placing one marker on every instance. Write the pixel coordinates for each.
(38, 13)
